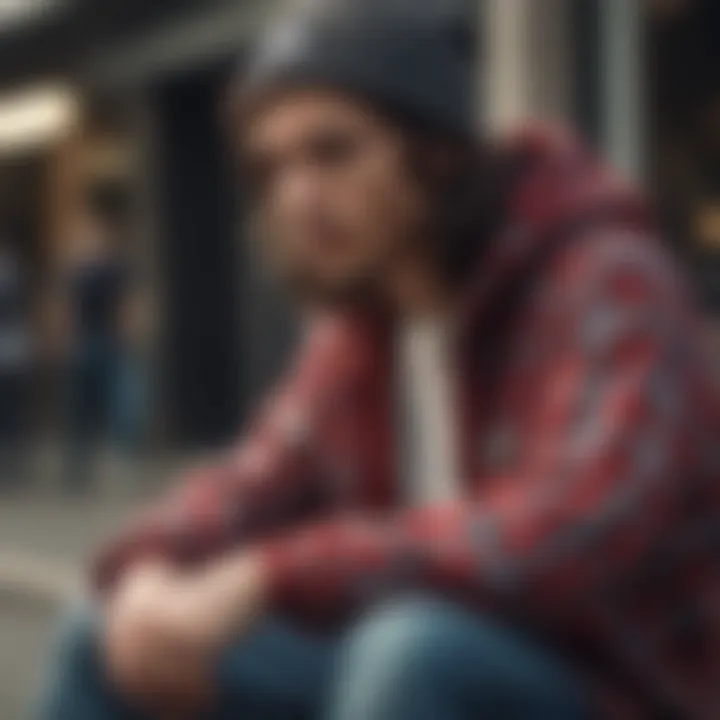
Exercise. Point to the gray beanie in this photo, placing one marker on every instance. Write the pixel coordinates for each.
(414, 57)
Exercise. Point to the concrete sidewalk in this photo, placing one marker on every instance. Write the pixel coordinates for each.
(46, 536)
(45, 543)
(46, 539)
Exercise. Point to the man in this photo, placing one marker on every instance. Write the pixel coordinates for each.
(94, 297)
(488, 488)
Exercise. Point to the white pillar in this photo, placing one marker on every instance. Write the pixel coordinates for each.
(526, 61)
(507, 92)
(623, 100)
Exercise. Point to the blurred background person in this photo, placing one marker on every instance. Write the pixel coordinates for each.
(100, 392)
(15, 346)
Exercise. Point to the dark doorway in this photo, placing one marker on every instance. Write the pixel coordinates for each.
(684, 64)
(22, 196)
(201, 355)
(23, 228)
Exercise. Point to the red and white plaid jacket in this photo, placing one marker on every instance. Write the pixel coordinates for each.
(591, 455)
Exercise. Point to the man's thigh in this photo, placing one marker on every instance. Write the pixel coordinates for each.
(277, 671)
(425, 659)
(413, 660)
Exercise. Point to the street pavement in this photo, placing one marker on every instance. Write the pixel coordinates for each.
(25, 634)
(45, 540)
(43, 548)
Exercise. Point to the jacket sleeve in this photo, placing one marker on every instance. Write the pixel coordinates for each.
(601, 478)
(270, 481)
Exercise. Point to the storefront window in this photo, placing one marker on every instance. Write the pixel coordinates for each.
(684, 99)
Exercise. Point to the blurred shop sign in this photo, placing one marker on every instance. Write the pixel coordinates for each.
(35, 117)
(18, 12)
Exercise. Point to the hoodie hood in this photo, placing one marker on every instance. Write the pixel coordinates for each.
(558, 188)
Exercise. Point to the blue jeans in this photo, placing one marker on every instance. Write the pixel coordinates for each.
(416, 659)
(92, 377)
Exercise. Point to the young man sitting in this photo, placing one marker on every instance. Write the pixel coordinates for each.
(489, 488)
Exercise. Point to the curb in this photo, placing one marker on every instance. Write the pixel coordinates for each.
(34, 580)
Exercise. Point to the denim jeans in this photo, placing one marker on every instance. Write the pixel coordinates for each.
(417, 659)
(105, 397)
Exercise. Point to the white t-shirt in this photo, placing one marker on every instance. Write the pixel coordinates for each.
(427, 417)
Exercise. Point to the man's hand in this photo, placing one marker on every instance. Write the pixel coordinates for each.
(165, 629)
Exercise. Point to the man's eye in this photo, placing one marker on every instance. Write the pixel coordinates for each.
(333, 149)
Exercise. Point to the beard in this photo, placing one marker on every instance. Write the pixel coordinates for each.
(363, 287)
(357, 292)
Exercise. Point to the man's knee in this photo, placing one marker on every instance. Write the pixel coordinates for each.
(404, 641)
(428, 653)
(393, 664)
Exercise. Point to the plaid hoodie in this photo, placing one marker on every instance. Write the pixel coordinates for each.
(591, 455)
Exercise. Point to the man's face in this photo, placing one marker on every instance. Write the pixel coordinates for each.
(334, 193)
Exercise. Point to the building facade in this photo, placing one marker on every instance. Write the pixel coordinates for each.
(640, 80)
(148, 81)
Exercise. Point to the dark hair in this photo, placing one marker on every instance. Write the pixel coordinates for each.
(467, 184)
(465, 180)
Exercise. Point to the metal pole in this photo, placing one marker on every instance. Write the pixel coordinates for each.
(623, 106)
